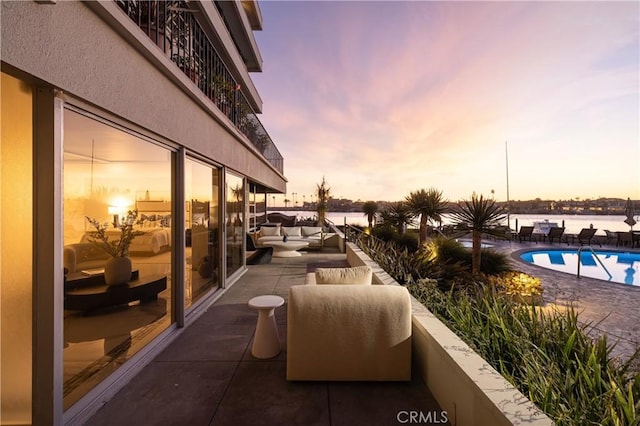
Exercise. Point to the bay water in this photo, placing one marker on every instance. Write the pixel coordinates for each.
(572, 223)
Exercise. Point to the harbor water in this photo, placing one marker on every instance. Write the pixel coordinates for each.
(572, 223)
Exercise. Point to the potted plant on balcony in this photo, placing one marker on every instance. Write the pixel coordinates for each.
(157, 18)
(117, 270)
(189, 65)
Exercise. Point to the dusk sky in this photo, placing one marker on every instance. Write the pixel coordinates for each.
(388, 97)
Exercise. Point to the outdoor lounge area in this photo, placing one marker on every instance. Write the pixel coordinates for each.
(208, 375)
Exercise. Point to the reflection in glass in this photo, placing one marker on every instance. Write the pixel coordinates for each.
(234, 223)
(108, 172)
(202, 230)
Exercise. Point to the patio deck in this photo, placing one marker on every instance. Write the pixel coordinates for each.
(207, 376)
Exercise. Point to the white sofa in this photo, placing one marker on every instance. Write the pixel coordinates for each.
(314, 235)
(80, 256)
(349, 332)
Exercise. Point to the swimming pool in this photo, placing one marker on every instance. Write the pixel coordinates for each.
(623, 266)
(469, 244)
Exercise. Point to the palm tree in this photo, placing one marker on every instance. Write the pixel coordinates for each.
(370, 208)
(397, 215)
(322, 192)
(427, 204)
(480, 215)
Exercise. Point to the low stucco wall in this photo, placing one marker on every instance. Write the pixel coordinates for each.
(465, 385)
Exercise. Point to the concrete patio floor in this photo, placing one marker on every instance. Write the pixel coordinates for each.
(207, 376)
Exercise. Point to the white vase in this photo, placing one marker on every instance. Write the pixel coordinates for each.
(117, 271)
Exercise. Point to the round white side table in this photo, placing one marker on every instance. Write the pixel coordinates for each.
(266, 342)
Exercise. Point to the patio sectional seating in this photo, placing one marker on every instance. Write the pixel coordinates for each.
(257, 255)
(314, 235)
(348, 332)
(342, 327)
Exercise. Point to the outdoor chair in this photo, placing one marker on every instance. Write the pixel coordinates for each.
(555, 233)
(624, 239)
(526, 234)
(257, 255)
(585, 236)
(611, 237)
(500, 232)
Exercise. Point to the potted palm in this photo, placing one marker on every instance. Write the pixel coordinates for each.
(322, 192)
(117, 270)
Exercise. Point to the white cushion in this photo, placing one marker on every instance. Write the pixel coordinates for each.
(353, 275)
(292, 231)
(270, 231)
(308, 231)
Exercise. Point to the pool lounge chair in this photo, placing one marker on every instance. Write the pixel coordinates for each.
(526, 233)
(624, 239)
(555, 233)
(612, 237)
(585, 236)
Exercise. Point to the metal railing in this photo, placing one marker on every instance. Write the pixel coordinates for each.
(594, 255)
(172, 26)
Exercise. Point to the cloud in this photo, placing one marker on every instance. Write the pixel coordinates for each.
(387, 97)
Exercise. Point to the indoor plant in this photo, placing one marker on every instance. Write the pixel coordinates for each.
(117, 270)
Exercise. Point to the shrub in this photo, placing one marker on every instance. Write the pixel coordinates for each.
(404, 266)
(548, 356)
(455, 259)
(514, 283)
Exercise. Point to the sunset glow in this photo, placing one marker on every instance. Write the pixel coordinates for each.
(383, 98)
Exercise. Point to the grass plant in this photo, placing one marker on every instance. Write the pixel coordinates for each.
(547, 354)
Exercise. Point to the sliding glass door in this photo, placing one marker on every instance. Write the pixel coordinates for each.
(108, 172)
(234, 223)
(202, 240)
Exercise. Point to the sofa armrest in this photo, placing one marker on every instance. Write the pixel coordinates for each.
(348, 332)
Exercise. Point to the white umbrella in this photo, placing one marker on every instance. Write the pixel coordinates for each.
(628, 212)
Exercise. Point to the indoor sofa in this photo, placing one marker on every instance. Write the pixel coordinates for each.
(83, 256)
(348, 332)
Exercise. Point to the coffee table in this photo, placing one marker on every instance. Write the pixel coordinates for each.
(286, 249)
(99, 295)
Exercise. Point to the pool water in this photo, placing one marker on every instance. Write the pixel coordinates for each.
(624, 267)
(469, 244)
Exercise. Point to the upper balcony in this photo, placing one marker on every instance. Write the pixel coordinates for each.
(176, 27)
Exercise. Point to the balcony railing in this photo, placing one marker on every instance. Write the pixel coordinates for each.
(171, 25)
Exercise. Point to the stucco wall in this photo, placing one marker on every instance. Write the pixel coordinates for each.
(16, 252)
(70, 47)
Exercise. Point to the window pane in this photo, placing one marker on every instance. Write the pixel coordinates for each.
(108, 172)
(202, 250)
(234, 223)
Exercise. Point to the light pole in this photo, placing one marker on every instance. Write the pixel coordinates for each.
(295, 203)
